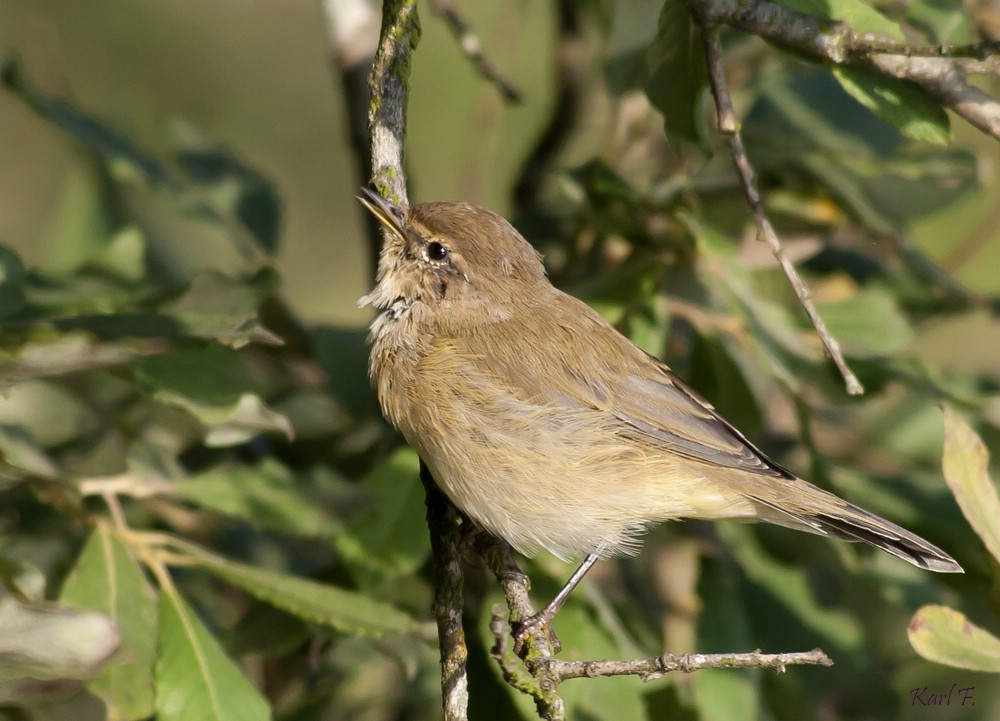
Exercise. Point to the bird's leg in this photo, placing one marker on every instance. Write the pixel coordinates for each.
(544, 617)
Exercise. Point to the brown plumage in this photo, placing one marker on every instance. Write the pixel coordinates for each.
(543, 423)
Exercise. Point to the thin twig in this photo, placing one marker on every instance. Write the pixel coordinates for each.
(473, 50)
(115, 508)
(129, 484)
(443, 525)
(655, 667)
(765, 231)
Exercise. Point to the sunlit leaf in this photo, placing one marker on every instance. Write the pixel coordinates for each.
(21, 455)
(48, 411)
(677, 74)
(222, 309)
(265, 495)
(946, 636)
(316, 602)
(47, 642)
(393, 534)
(124, 255)
(107, 579)
(195, 680)
(867, 324)
(966, 470)
(897, 103)
(859, 15)
(70, 352)
(23, 579)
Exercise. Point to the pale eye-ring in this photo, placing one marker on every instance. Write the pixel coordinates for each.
(436, 251)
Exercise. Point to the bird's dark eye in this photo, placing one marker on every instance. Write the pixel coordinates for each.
(436, 251)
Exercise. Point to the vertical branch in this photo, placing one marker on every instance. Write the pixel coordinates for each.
(387, 127)
(389, 84)
(443, 523)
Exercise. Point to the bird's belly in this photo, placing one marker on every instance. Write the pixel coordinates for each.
(561, 479)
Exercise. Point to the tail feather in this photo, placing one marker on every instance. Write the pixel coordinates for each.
(851, 523)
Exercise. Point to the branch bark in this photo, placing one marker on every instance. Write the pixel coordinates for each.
(834, 42)
(387, 129)
(443, 523)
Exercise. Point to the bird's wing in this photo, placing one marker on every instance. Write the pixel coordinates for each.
(593, 365)
(657, 407)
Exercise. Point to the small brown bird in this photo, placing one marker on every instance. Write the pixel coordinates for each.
(544, 424)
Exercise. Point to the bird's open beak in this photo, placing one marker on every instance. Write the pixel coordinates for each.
(390, 215)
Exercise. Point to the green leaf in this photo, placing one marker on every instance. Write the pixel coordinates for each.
(316, 602)
(212, 375)
(124, 255)
(264, 495)
(95, 135)
(69, 353)
(22, 579)
(790, 586)
(898, 103)
(859, 15)
(944, 635)
(20, 455)
(628, 43)
(249, 418)
(213, 385)
(224, 310)
(46, 642)
(966, 470)
(49, 412)
(241, 191)
(195, 680)
(393, 534)
(869, 324)
(677, 74)
(107, 579)
(724, 625)
(11, 283)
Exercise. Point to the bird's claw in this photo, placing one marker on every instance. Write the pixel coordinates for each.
(538, 623)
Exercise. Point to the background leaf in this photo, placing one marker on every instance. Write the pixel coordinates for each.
(316, 602)
(946, 636)
(966, 462)
(195, 680)
(107, 579)
(50, 643)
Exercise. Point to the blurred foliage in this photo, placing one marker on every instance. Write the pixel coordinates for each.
(203, 516)
(943, 634)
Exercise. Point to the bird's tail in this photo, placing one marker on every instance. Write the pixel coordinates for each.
(821, 512)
